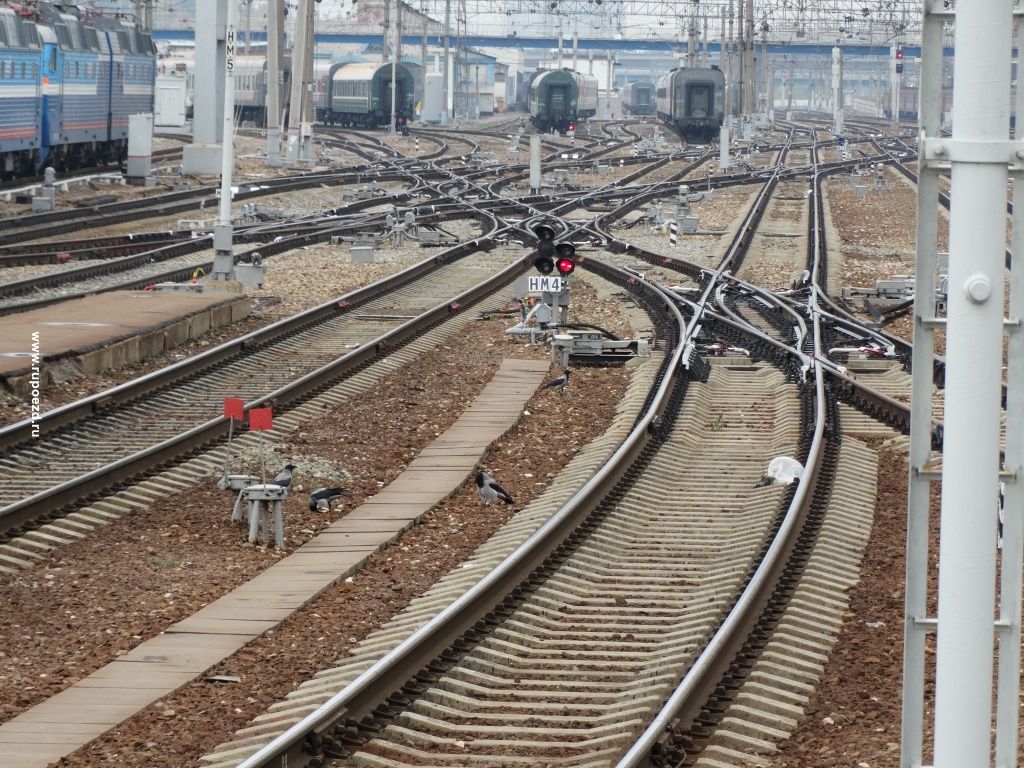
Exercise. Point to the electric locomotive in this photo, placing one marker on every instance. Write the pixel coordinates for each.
(68, 85)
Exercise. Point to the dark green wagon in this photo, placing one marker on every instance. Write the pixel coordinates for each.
(360, 94)
(560, 97)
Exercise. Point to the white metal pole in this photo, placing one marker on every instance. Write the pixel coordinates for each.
(423, 68)
(447, 45)
(248, 25)
(741, 82)
(917, 623)
(559, 41)
(275, 13)
(394, 71)
(730, 85)
(704, 44)
(386, 35)
(894, 89)
(223, 261)
(298, 67)
(398, 30)
(974, 353)
(837, 91)
(789, 92)
(1012, 561)
(228, 156)
(608, 93)
(750, 81)
(306, 126)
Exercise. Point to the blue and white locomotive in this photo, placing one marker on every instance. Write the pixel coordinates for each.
(68, 85)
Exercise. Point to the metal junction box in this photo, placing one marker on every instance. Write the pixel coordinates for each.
(592, 344)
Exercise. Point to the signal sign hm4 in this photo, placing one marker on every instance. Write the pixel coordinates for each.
(543, 284)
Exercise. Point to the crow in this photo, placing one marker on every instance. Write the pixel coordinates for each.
(490, 490)
(284, 477)
(321, 499)
(558, 384)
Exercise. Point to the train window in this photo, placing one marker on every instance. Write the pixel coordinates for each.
(23, 70)
(53, 60)
(76, 69)
(3, 69)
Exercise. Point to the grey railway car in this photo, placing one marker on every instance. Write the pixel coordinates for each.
(638, 97)
(691, 102)
(560, 97)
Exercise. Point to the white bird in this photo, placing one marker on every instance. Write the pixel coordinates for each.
(558, 384)
(284, 477)
(490, 490)
(782, 470)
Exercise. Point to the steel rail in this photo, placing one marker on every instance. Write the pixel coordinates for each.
(704, 675)
(136, 465)
(392, 671)
(21, 432)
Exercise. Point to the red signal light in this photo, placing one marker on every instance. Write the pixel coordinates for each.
(566, 259)
(899, 53)
(572, 127)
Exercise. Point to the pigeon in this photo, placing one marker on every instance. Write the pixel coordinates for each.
(782, 470)
(558, 384)
(490, 490)
(284, 477)
(321, 499)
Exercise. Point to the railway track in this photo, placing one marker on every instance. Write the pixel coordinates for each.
(627, 598)
(40, 475)
(180, 261)
(457, 708)
(595, 646)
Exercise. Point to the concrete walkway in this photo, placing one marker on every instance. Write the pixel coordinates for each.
(187, 650)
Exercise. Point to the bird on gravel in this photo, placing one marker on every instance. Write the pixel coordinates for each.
(558, 384)
(782, 470)
(490, 490)
(324, 497)
(284, 477)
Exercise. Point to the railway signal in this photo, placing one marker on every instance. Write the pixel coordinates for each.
(899, 61)
(545, 261)
(566, 262)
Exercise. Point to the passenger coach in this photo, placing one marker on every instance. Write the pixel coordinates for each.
(360, 94)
